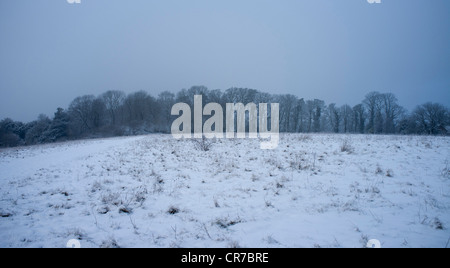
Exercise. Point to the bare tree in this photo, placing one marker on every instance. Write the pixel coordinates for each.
(98, 113)
(359, 115)
(114, 113)
(240, 95)
(113, 101)
(299, 115)
(319, 106)
(431, 118)
(81, 114)
(216, 96)
(165, 100)
(391, 112)
(183, 96)
(309, 114)
(138, 106)
(346, 113)
(287, 110)
(335, 117)
(373, 104)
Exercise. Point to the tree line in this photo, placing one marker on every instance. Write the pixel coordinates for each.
(115, 113)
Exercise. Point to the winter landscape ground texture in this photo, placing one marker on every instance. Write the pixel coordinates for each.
(154, 191)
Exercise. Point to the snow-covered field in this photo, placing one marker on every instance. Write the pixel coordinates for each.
(154, 191)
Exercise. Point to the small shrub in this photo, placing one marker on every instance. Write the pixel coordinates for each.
(141, 195)
(173, 210)
(216, 203)
(389, 173)
(274, 163)
(375, 190)
(378, 171)
(271, 240)
(346, 147)
(103, 210)
(158, 184)
(234, 244)
(304, 138)
(97, 186)
(299, 162)
(363, 240)
(111, 199)
(77, 233)
(269, 204)
(438, 224)
(203, 144)
(110, 243)
(427, 145)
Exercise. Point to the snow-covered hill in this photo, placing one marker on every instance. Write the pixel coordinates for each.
(154, 191)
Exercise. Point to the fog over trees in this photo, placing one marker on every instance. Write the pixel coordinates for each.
(115, 113)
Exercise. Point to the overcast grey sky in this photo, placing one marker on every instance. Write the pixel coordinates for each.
(52, 52)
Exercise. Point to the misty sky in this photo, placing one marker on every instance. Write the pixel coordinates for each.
(52, 52)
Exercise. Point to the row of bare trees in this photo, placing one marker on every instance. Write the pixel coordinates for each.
(115, 113)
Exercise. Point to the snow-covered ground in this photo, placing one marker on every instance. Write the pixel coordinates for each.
(154, 191)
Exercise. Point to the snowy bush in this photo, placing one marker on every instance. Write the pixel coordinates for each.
(76, 233)
(111, 199)
(378, 170)
(347, 147)
(109, 243)
(203, 144)
(304, 138)
(299, 161)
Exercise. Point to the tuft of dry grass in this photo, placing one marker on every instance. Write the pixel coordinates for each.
(346, 147)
